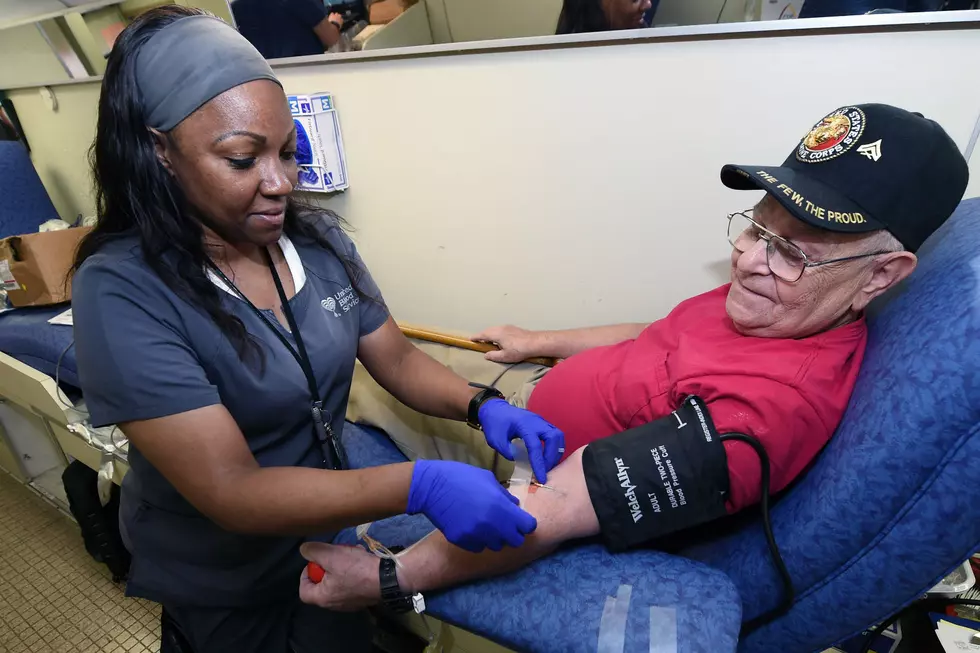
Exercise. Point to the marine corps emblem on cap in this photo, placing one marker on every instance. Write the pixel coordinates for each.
(832, 136)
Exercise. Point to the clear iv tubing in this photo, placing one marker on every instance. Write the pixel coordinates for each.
(374, 546)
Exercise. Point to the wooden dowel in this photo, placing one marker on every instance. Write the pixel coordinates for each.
(462, 343)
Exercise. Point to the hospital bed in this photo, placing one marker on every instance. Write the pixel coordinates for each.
(885, 511)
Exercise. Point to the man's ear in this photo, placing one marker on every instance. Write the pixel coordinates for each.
(890, 270)
(163, 148)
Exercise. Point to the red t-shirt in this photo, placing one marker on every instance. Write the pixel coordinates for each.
(790, 394)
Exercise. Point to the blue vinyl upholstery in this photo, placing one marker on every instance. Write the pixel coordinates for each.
(26, 335)
(556, 603)
(25, 202)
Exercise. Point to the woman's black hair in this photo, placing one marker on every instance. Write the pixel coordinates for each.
(135, 196)
(579, 16)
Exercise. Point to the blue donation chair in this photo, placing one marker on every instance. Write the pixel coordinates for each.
(887, 509)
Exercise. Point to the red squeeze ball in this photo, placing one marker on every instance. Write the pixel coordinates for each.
(314, 571)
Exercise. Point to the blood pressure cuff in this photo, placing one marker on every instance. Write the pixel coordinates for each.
(659, 478)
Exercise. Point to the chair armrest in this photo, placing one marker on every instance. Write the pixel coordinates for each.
(556, 603)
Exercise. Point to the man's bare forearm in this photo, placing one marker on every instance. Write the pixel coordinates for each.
(563, 514)
(568, 342)
(350, 581)
(435, 563)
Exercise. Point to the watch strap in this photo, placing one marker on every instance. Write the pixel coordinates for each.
(485, 394)
(392, 596)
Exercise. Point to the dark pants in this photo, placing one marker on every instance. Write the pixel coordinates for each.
(289, 628)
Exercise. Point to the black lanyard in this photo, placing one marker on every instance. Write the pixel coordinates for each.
(333, 451)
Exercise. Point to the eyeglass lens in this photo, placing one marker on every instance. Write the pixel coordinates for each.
(786, 261)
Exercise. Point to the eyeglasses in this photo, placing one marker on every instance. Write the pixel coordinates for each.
(786, 260)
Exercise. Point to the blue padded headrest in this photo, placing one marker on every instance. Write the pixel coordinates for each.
(25, 202)
(889, 506)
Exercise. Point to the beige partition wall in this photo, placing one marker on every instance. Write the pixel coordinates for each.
(410, 28)
(560, 187)
(438, 21)
(580, 186)
(480, 20)
(26, 57)
(60, 139)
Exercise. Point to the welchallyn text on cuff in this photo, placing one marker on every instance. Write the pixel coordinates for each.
(658, 478)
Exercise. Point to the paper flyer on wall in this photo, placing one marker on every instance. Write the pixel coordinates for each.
(319, 144)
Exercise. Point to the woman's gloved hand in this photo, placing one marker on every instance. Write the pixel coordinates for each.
(502, 423)
(468, 505)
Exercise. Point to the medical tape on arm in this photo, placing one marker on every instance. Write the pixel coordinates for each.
(520, 480)
(612, 626)
(663, 629)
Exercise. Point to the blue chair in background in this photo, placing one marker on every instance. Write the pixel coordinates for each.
(25, 202)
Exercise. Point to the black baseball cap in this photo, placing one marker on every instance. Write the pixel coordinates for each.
(863, 168)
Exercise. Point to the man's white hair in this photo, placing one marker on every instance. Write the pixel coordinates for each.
(882, 240)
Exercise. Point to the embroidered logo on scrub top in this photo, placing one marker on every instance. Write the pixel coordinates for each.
(330, 304)
(344, 300)
(832, 136)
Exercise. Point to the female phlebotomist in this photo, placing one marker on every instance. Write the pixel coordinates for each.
(217, 321)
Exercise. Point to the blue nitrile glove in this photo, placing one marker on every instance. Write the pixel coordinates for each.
(502, 423)
(468, 505)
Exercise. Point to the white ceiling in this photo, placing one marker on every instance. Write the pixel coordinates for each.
(19, 12)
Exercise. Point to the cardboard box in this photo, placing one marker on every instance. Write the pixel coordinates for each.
(33, 267)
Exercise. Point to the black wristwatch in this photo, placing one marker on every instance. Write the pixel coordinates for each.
(339, 26)
(485, 394)
(392, 596)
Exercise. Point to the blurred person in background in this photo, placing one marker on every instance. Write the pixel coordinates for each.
(287, 28)
(580, 16)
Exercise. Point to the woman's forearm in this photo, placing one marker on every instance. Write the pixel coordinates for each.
(412, 376)
(204, 455)
(299, 500)
(425, 385)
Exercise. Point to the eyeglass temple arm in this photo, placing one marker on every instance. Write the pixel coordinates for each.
(814, 264)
